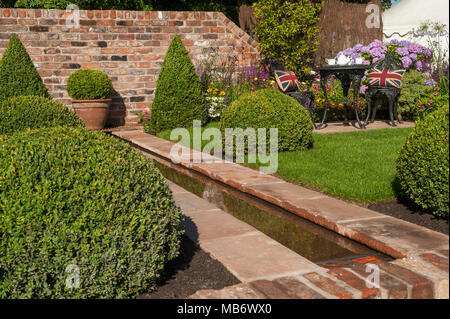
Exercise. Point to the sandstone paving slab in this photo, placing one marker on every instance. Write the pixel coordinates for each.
(130, 134)
(212, 224)
(399, 236)
(190, 203)
(211, 169)
(329, 209)
(243, 177)
(277, 193)
(158, 146)
(256, 256)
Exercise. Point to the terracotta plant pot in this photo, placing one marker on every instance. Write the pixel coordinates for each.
(94, 113)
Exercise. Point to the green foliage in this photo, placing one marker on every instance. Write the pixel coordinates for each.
(431, 100)
(22, 112)
(18, 76)
(7, 3)
(413, 85)
(179, 98)
(229, 7)
(74, 197)
(287, 31)
(269, 108)
(422, 166)
(89, 85)
(82, 4)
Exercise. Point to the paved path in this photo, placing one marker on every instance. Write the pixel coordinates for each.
(415, 247)
(338, 127)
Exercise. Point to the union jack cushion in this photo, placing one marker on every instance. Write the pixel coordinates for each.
(286, 80)
(386, 78)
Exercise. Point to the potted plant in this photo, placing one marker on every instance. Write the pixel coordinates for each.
(91, 91)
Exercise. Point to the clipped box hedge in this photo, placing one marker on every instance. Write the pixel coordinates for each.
(89, 85)
(74, 197)
(179, 97)
(269, 108)
(18, 76)
(22, 112)
(423, 167)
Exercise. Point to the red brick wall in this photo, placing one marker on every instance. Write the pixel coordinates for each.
(129, 46)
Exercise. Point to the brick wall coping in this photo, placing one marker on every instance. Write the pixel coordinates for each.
(127, 14)
(129, 46)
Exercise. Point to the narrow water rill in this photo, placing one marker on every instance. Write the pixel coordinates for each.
(302, 236)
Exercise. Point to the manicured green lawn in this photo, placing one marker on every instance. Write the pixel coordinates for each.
(358, 166)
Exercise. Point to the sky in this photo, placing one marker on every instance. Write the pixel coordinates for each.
(395, 1)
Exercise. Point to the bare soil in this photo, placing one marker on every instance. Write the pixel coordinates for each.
(412, 214)
(194, 269)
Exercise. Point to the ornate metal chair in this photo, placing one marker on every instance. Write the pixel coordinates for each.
(391, 93)
(306, 99)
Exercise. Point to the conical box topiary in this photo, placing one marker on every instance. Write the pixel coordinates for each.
(18, 76)
(179, 97)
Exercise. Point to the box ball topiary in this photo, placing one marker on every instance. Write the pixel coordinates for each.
(83, 215)
(89, 85)
(269, 108)
(422, 166)
(21, 112)
(18, 76)
(179, 97)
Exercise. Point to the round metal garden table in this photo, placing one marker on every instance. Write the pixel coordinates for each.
(348, 75)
